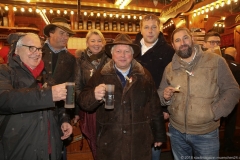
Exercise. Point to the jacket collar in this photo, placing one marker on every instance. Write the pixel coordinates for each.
(178, 63)
(109, 68)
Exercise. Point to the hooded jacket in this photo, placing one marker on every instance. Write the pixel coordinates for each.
(136, 122)
(157, 58)
(31, 109)
(208, 92)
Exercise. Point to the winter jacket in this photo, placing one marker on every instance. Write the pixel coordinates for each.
(135, 123)
(65, 67)
(208, 91)
(84, 72)
(31, 108)
(157, 58)
(64, 70)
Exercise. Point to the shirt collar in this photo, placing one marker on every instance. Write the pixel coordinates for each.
(54, 51)
(146, 48)
(123, 73)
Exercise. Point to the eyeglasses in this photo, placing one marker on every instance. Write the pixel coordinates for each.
(214, 42)
(33, 48)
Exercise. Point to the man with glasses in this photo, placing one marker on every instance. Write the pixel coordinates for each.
(212, 39)
(31, 127)
(155, 55)
(59, 63)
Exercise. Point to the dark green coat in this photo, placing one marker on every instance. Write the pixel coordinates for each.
(128, 131)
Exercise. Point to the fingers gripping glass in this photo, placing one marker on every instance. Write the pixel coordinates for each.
(214, 42)
(33, 48)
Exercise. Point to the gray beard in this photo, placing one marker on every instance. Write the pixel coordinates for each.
(185, 54)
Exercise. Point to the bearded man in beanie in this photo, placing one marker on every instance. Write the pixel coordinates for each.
(59, 63)
(136, 122)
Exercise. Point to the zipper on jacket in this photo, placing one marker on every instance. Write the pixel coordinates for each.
(187, 99)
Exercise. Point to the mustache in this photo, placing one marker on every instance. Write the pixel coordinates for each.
(184, 45)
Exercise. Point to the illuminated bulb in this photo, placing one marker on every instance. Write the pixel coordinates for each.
(206, 16)
(104, 14)
(220, 25)
(110, 15)
(223, 25)
(202, 11)
(22, 10)
(129, 16)
(217, 6)
(194, 14)
(215, 24)
(134, 17)
(44, 10)
(117, 15)
(206, 9)
(235, 1)
(37, 10)
(14, 9)
(6, 8)
(98, 14)
(123, 16)
(211, 8)
(222, 4)
(198, 13)
(72, 13)
(28, 1)
(228, 2)
(91, 13)
(140, 17)
(65, 11)
(58, 11)
(84, 13)
(30, 10)
(51, 11)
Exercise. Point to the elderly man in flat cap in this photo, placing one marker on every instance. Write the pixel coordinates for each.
(136, 122)
(31, 127)
(59, 63)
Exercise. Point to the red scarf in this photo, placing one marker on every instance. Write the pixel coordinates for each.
(36, 71)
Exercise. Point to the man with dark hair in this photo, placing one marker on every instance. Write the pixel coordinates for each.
(211, 40)
(59, 63)
(155, 55)
(199, 89)
(230, 55)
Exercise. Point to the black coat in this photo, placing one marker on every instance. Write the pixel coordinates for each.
(157, 58)
(31, 109)
(136, 122)
(234, 67)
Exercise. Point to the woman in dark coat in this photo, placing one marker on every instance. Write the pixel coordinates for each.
(89, 61)
(31, 128)
(136, 122)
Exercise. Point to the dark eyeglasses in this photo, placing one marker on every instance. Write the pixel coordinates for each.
(214, 42)
(33, 48)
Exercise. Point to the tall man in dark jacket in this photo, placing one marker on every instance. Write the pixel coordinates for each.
(59, 63)
(136, 122)
(155, 55)
(230, 55)
(31, 127)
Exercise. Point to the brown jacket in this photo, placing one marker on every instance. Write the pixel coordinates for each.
(208, 94)
(136, 122)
